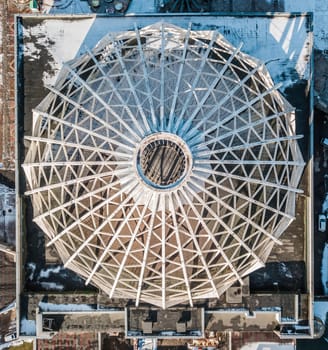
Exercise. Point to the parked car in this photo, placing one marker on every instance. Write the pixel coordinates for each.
(10, 337)
(322, 223)
(324, 142)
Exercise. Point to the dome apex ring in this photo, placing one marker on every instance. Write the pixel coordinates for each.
(163, 161)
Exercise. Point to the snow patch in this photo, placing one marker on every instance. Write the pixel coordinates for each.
(31, 52)
(144, 6)
(268, 346)
(7, 345)
(325, 205)
(28, 327)
(324, 269)
(320, 310)
(62, 39)
(32, 267)
(51, 286)
(286, 270)
(45, 273)
(64, 307)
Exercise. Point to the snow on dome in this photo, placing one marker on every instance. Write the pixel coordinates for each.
(163, 165)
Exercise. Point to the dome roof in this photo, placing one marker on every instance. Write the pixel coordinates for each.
(163, 165)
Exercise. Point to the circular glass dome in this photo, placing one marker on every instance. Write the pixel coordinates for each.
(163, 165)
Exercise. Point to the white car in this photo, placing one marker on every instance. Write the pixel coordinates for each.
(322, 223)
(324, 142)
(10, 337)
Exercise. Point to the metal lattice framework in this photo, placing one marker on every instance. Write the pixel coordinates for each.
(163, 165)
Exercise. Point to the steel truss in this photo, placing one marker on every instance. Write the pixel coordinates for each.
(135, 238)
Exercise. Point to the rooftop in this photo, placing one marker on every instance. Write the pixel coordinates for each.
(149, 187)
(46, 66)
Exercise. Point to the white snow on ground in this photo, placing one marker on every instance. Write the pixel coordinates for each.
(61, 38)
(268, 346)
(45, 273)
(320, 10)
(3, 346)
(80, 7)
(324, 269)
(64, 307)
(141, 6)
(290, 49)
(31, 266)
(28, 327)
(299, 5)
(320, 309)
(67, 6)
(321, 24)
(31, 52)
(282, 42)
(318, 7)
(325, 205)
(51, 286)
(5, 190)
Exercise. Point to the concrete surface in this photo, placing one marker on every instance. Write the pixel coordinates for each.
(241, 321)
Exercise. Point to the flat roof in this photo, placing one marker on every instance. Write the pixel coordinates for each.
(282, 41)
